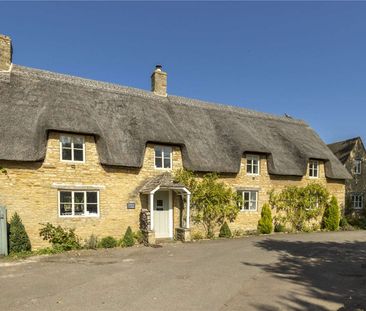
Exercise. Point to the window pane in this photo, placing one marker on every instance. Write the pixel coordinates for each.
(65, 196)
(65, 209)
(249, 168)
(66, 154)
(79, 197)
(253, 205)
(167, 163)
(66, 141)
(78, 142)
(92, 197)
(92, 208)
(255, 169)
(158, 151)
(246, 205)
(79, 209)
(167, 151)
(158, 162)
(78, 155)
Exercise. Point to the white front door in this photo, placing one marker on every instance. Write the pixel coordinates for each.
(162, 214)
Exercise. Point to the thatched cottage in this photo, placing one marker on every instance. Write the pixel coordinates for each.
(92, 155)
(352, 154)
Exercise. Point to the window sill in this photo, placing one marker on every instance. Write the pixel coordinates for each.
(78, 217)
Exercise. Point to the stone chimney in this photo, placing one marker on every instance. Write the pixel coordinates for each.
(5, 53)
(159, 81)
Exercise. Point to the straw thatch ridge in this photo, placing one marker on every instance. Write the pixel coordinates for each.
(212, 137)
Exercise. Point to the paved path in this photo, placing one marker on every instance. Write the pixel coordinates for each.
(318, 271)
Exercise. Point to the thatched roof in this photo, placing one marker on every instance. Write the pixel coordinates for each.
(342, 149)
(212, 137)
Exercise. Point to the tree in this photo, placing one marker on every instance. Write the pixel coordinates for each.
(225, 231)
(265, 225)
(18, 237)
(299, 205)
(128, 239)
(212, 201)
(331, 215)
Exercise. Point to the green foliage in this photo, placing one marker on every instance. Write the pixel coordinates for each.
(212, 201)
(128, 239)
(139, 237)
(265, 225)
(197, 235)
(279, 227)
(62, 239)
(238, 232)
(299, 205)
(91, 242)
(225, 231)
(331, 215)
(108, 242)
(18, 237)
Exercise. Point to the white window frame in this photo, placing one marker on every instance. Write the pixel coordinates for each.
(73, 204)
(251, 159)
(72, 137)
(163, 152)
(357, 167)
(313, 167)
(251, 192)
(359, 200)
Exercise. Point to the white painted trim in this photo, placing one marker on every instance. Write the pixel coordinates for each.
(72, 204)
(188, 210)
(63, 186)
(154, 190)
(256, 201)
(171, 214)
(317, 169)
(72, 161)
(253, 156)
(151, 203)
(162, 158)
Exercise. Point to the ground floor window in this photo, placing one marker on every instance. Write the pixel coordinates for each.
(78, 203)
(357, 201)
(250, 200)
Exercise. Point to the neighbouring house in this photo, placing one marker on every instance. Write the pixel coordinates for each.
(352, 154)
(97, 156)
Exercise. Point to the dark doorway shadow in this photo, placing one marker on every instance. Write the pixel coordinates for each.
(331, 271)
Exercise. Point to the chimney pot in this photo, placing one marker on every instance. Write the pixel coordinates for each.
(159, 81)
(6, 52)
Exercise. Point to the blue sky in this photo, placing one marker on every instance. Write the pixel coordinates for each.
(306, 59)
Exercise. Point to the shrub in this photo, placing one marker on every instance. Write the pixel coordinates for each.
(91, 242)
(18, 237)
(128, 239)
(225, 231)
(299, 205)
(331, 215)
(139, 237)
(212, 201)
(265, 222)
(108, 242)
(61, 238)
(278, 227)
(197, 236)
(238, 232)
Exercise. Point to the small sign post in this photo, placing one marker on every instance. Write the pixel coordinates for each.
(131, 205)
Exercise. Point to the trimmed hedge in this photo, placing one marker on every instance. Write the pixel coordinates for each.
(331, 215)
(265, 225)
(18, 238)
(225, 231)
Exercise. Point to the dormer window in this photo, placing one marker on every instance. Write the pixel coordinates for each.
(313, 169)
(357, 167)
(72, 148)
(163, 157)
(252, 164)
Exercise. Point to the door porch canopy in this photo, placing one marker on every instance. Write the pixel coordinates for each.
(165, 182)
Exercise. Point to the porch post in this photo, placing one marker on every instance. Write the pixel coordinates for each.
(151, 201)
(188, 209)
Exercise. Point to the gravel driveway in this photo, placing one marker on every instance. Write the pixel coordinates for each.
(317, 271)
